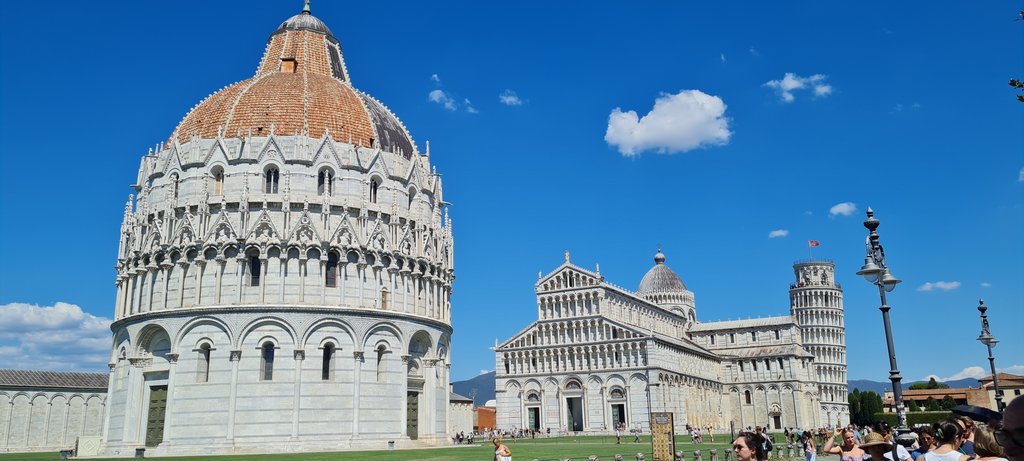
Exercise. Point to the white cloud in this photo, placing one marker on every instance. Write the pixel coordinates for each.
(808, 213)
(469, 106)
(986, 285)
(842, 209)
(721, 56)
(754, 52)
(484, 372)
(442, 98)
(1020, 176)
(778, 233)
(58, 337)
(976, 372)
(678, 122)
(510, 98)
(939, 286)
(791, 83)
(435, 78)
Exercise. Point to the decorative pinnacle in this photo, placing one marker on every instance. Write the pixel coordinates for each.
(566, 256)
(305, 7)
(981, 306)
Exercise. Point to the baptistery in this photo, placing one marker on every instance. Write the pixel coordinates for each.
(285, 271)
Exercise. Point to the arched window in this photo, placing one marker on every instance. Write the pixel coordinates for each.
(753, 336)
(331, 274)
(327, 367)
(271, 179)
(174, 186)
(325, 182)
(382, 364)
(267, 362)
(412, 196)
(255, 270)
(203, 372)
(374, 185)
(218, 181)
(746, 397)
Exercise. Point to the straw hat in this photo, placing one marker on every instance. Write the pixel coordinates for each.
(873, 439)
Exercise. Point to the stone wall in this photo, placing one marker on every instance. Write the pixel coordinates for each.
(48, 420)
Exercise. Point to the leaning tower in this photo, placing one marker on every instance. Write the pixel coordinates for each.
(816, 302)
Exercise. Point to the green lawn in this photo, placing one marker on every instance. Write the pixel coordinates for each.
(555, 448)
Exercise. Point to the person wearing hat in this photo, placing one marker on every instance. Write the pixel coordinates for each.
(875, 446)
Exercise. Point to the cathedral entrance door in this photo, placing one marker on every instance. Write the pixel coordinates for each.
(534, 415)
(575, 416)
(155, 421)
(618, 414)
(412, 415)
(777, 420)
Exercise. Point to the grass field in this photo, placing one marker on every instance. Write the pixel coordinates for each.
(555, 448)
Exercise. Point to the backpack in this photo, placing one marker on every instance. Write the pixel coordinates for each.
(768, 446)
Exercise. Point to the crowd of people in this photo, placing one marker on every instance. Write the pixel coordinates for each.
(954, 439)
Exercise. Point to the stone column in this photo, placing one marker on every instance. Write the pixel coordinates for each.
(166, 266)
(303, 272)
(201, 264)
(323, 291)
(172, 361)
(263, 279)
(241, 263)
(236, 356)
(300, 356)
(358, 356)
(183, 264)
(221, 261)
(403, 420)
(106, 413)
(282, 266)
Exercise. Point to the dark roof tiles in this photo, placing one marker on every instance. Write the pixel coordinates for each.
(53, 379)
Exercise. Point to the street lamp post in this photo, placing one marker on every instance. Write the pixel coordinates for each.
(876, 271)
(990, 341)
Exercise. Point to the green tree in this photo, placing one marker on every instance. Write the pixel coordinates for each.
(931, 404)
(931, 384)
(855, 400)
(914, 406)
(947, 403)
(870, 404)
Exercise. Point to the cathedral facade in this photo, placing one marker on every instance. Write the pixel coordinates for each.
(601, 356)
(284, 273)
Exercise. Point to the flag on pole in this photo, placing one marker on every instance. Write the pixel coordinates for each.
(813, 243)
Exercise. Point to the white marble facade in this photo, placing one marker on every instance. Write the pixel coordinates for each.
(600, 356)
(283, 290)
(48, 411)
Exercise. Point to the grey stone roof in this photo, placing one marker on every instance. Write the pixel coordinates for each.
(748, 323)
(53, 379)
(453, 397)
(767, 351)
(660, 279)
(305, 21)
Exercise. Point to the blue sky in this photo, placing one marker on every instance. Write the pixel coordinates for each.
(746, 119)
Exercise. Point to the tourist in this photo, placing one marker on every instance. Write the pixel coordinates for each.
(749, 446)
(985, 446)
(618, 434)
(967, 430)
(810, 453)
(501, 451)
(876, 446)
(711, 434)
(848, 451)
(886, 432)
(948, 437)
(925, 442)
(1011, 436)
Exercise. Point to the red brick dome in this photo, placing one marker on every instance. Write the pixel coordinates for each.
(301, 87)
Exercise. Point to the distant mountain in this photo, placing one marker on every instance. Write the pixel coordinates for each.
(881, 386)
(483, 386)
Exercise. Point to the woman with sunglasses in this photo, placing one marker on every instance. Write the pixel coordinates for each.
(985, 446)
(749, 446)
(848, 451)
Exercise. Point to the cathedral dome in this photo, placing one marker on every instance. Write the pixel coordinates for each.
(660, 279)
(300, 87)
